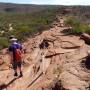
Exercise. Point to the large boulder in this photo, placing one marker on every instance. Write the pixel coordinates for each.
(86, 38)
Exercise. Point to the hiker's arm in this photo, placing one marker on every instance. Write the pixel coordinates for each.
(11, 57)
(10, 49)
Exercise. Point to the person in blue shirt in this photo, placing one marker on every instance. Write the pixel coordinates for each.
(15, 63)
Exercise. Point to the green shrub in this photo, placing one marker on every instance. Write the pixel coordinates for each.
(77, 27)
(3, 42)
(25, 24)
(87, 29)
(72, 22)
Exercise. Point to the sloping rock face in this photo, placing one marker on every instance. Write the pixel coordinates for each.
(52, 62)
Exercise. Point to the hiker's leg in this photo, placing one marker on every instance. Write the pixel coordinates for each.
(15, 68)
(19, 66)
(20, 69)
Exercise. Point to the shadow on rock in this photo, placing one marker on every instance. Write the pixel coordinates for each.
(86, 63)
(58, 86)
(3, 86)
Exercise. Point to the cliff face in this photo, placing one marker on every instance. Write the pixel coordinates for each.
(52, 61)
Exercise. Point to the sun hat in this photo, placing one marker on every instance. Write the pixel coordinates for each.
(12, 36)
(13, 39)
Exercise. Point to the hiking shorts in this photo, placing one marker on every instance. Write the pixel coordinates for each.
(16, 65)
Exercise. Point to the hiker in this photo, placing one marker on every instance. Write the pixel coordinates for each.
(15, 50)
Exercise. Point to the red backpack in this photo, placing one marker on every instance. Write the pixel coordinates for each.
(18, 55)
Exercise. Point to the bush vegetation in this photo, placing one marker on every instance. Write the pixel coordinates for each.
(25, 24)
(77, 27)
(3, 42)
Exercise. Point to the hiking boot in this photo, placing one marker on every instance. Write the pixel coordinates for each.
(15, 74)
(21, 75)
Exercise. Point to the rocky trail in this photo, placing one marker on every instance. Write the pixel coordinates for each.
(53, 61)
